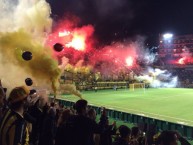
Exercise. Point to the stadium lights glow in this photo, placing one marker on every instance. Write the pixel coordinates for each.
(167, 36)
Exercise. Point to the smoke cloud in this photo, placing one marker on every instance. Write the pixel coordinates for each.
(24, 26)
(158, 78)
(112, 19)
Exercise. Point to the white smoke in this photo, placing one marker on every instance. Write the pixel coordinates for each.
(34, 16)
(149, 57)
(7, 9)
(31, 15)
(158, 78)
(24, 26)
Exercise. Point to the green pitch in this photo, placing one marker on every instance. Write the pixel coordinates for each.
(168, 104)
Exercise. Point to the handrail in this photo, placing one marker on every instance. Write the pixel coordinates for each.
(185, 130)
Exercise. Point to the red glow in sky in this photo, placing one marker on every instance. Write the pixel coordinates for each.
(79, 49)
(71, 37)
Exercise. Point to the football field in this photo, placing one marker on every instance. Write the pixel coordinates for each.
(168, 104)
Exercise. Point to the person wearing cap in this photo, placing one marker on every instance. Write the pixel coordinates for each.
(13, 126)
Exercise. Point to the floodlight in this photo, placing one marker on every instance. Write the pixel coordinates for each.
(167, 36)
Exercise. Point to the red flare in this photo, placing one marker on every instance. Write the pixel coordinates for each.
(182, 60)
(129, 61)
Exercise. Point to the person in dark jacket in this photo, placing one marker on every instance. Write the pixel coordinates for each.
(169, 137)
(47, 133)
(35, 112)
(124, 136)
(79, 127)
(2, 102)
(108, 130)
(94, 138)
(63, 128)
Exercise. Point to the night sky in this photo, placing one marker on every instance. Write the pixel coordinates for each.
(122, 19)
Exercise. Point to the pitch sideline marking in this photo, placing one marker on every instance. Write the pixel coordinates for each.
(176, 119)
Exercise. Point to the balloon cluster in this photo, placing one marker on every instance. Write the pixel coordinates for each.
(27, 56)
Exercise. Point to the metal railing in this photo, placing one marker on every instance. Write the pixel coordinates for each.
(186, 131)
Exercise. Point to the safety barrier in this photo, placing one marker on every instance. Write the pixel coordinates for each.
(186, 131)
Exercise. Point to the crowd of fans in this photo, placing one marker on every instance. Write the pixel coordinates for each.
(185, 77)
(39, 122)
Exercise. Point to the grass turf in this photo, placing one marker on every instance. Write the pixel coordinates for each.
(169, 104)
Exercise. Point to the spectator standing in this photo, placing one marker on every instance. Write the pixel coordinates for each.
(169, 137)
(63, 128)
(108, 130)
(124, 136)
(13, 126)
(47, 134)
(135, 132)
(2, 98)
(94, 138)
(82, 127)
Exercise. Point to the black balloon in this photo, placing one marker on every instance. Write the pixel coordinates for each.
(58, 47)
(28, 82)
(27, 55)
